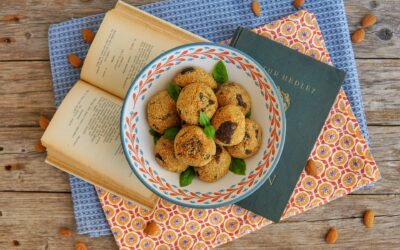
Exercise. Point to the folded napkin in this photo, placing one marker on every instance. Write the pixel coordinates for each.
(341, 153)
(215, 20)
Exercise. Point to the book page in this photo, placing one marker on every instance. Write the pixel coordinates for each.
(127, 40)
(86, 129)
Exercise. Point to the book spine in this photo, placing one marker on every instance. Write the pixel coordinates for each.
(236, 36)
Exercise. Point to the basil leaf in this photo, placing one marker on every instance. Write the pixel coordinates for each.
(186, 177)
(209, 130)
(155, 135)
(203, 119)
(248, 114)
(238, 166)
(173, 91)
(220, 73)
(170, 133)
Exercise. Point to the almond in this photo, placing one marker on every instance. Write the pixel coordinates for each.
(87, 35)
(298, 3)
(152, 229)
(39, 147)
(66, 232)
(312, 168)
(43, 122)
(368, 21)
(80, 246)
(358, 36)
(331, 236)
(256, 7)
(369, 217)
(74, 60)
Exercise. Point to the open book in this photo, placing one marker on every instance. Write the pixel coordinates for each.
(83, 136)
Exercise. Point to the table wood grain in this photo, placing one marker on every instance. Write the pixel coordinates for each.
(35, 198)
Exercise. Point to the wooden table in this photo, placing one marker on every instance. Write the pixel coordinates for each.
(35, 198)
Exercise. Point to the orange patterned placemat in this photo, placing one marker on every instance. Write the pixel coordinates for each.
(344, 163)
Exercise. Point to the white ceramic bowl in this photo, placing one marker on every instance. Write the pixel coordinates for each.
(267, 110)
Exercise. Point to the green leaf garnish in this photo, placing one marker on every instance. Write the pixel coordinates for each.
(220, 73)
(209, 130)
(248, 114)
(238, 166)
(203, 119)
(170, 133)
(155, 135)
(186, 177)
(173, 91)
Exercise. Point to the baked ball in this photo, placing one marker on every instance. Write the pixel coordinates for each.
(229, 124)
(196, 98)
(165, 156)
(251, 142)
(217, 168)
(162, 113)
(191, 75)
(232, 93)
(193, 147)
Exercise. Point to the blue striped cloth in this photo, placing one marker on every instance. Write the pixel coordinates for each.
(215, 20)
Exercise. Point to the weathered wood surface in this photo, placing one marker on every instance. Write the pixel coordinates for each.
(25, 23)
(27, 219)
(35, 198)
(22, 169)
(27, 91)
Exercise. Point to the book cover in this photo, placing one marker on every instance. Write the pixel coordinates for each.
(309, 89)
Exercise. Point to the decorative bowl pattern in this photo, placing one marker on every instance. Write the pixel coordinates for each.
(267, 110)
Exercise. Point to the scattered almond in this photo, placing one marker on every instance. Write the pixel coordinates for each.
(39, 147)
(87, 35)
(43, 122)
(298, 3)
(152, 229)
(358, 36)
(66, 232)
(331, 236)
(368, 21)
(256, 7)
(312, 168)
(74, 60)
(80, 246)
(369, 217)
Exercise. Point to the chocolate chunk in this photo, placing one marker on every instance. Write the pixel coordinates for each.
(201, 95)
(256, 131)
(158, 156)
(240, 101)
(225, 131)
(210, 102)
(247, 151)
(155, 126)
(246, 136)
(187, 70)
(218, 153)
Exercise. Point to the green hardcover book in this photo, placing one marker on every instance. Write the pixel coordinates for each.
(312, 87)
